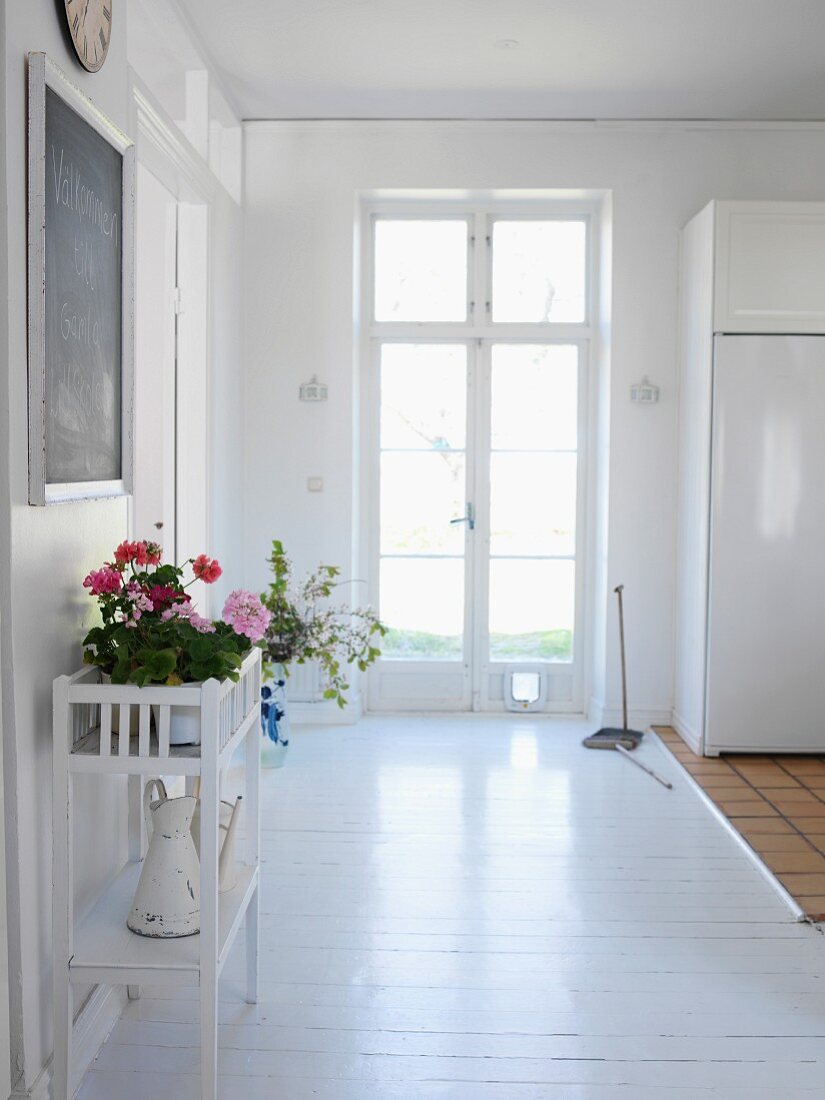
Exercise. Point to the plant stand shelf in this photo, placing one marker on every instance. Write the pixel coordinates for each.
(98, 948)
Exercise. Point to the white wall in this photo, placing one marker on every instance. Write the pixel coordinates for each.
(5, 1036)
(45, 552)
(302, 182)
(43, 609)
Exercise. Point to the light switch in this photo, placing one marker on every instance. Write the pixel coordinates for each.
(315, 484)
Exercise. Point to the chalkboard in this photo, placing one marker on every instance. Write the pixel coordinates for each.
(81, 195)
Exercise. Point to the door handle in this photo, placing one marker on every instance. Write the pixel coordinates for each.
(468, 517)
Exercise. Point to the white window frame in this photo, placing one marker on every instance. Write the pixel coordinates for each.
(485, 686)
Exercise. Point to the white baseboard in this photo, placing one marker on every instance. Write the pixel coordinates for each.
(91, 1030)
(638, 718)
(325, 712)
(691, 737)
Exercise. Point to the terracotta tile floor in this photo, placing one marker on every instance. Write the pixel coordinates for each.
(777, 803)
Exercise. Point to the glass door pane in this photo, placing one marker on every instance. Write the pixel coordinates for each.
(423, 471)
(539, 271)
(533, 501)
(421, 270)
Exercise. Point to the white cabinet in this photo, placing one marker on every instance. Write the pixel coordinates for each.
(769, 267)
(758, 269)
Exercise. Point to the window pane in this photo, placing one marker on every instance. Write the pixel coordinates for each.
(420, 270)
(532, 503)
(420, 494)
(423, 396)
(539, 271)
(422, 603)
(535, 397)
(531, 610)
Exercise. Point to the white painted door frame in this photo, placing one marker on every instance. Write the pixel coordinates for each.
(479, 336)
(165, 152)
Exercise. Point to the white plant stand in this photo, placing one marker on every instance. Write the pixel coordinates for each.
(100, 949)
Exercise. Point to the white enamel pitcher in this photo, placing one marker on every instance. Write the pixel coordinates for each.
(167, 899)
(227, 865)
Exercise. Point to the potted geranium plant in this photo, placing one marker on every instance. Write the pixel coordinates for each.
(151, 632)
(303, 627)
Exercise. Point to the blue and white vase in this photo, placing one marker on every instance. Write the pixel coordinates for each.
(274, 724)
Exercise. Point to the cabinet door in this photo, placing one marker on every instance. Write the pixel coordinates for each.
(766, 646)
(770, 269)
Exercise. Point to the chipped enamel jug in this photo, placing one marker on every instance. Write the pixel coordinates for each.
(228, 820)
(167, 899)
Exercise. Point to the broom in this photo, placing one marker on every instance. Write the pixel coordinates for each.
(609, 737)
(623, 740)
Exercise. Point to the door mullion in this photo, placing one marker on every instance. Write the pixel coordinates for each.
(470, 530)
(481, 546)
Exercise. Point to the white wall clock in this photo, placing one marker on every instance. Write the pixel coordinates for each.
(90, 25)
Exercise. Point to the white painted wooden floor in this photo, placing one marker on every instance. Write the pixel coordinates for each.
(477, 908)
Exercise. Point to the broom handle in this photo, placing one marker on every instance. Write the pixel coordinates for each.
(644, 767)
(618, 591)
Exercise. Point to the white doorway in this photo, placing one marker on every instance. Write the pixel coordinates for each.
(170, 501)
(479, 347)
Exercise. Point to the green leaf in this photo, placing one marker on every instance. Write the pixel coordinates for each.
(160, 663)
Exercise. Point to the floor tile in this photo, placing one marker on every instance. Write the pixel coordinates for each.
(756, 825)
(784, 842)
(747, 807)
(782, 863)
(794, 799)
(776, 781)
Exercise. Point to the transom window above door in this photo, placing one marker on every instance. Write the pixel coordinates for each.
(535, 270)
(478, 346)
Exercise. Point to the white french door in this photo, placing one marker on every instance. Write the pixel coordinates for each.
(476, 426)
(478, 487)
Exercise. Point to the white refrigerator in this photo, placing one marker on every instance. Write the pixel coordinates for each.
(765, 670)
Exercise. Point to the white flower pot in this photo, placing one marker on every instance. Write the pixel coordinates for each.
(184, 723)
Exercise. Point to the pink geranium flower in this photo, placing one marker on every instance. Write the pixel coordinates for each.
(187, 611)
(246, 614)
(142, 553)
(162, 595)
(102, 581)
(206, 569)
(125, 552)
(146, 553)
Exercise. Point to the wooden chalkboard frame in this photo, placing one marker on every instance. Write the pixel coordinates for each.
(42, 74)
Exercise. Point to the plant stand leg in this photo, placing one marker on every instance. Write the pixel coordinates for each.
(63, 1019)
(252, 809)
(209, 899)
(62, 900)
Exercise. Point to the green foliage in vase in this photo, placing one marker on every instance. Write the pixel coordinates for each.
(303, 627)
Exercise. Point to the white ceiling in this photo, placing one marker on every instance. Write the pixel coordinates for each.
(736, 59)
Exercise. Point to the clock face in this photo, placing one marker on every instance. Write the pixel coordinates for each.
(90, 24)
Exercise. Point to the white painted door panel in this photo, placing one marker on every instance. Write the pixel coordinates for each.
(153, 503)
(766, 643)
